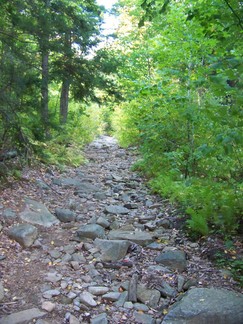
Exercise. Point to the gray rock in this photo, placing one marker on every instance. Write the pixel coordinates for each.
(173, 258)
(37, 213)
(100, 319)
(166, 290)
(1, 291)
(112, 250)
(141, 238)
(143, 318)
(41, 184)
(9, 213)
(115, 209)
(207, 306)
(87, 299)
(24, 234)
(48, 306)
(103, 222)
(65, 215)
(73, 320)
(112, 296)
(23, 317)
(53, 277)
(141, 307)
(147, 296)
(91, 231)
(51, 293)
(122, 299)
(98, 290)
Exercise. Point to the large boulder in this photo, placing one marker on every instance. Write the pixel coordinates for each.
(112, 250)
(25, 316)
(207, 306)
(24, 234)
(37, 213)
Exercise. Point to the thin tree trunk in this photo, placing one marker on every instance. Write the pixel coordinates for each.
(66, 80)
(64, 101)
(44, 91)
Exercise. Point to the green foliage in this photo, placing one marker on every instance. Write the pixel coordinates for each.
(182, 76)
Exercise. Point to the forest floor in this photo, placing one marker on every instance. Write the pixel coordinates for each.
(52, 273)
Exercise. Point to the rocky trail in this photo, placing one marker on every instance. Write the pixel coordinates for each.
(93, 245)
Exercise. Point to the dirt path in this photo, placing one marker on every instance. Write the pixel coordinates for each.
(67, 274)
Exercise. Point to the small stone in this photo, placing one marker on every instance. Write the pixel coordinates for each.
(180, 283)
(1, 291)
(51, 293)
(48, 306)
(53, 277)
(91, 231)
(128, 305)
(103, 222)
(87, 299)
(115, 209)
(190, 283)
(98, 290)
(147, 296)
(122, 299)
(75, 265)
(73, 320)
(112, 296)
(173, 258)
(65, 215)
(71, 295)
(100, 319)
(24, 234)
(141, 307)
(143, 318)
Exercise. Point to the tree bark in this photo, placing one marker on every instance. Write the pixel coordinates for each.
(44, 91)
(64, 101)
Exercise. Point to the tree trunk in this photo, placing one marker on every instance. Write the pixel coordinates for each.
(44, 91)
(66, 79)
(64, 101)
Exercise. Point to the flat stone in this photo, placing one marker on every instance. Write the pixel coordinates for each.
(115, 209)
(147, 296)
(98, 290)
(173, 258)
(51, 293)
(143, 318)
(48, 306)
(9, 213)
(53, 277)
(24, 234)
(91, 231)
(138, 237)
(112, 250)
(87, 299)
(23, 317)
(37, 213)
(65, 215)
(112, 296)
(100, 319)
(207, 306)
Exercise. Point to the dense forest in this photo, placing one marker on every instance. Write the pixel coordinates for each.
(169, 83)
